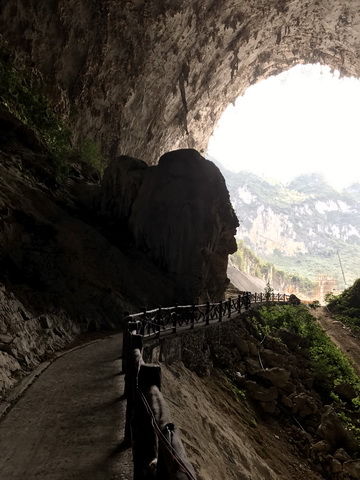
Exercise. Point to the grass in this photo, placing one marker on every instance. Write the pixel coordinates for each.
(330, 367)
(346, 307)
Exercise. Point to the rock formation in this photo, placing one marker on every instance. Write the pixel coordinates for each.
(145, 77)
(179, 212)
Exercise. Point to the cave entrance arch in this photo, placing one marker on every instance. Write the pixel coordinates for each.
(298, 122)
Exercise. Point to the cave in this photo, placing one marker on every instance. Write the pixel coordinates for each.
(140, 79)
(147, 77)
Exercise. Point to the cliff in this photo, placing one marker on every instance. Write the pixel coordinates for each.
(305, 228)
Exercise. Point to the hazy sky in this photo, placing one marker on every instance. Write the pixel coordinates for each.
(302, 121)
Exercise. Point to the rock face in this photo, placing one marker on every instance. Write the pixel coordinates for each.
(179, 212)
(145, 77)
(275, 378)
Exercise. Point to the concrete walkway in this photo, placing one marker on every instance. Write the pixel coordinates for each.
(69, 424)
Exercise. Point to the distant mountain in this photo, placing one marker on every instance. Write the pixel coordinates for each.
(306, 227)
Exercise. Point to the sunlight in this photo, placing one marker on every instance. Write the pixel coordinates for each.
(304, 120)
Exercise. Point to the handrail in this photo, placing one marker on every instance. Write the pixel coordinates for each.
(155, 440)
(159, 320)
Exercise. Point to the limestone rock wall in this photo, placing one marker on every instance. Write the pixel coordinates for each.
(181, 216)
(145, 77)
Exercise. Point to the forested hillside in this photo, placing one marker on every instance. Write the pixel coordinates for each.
(305, 228)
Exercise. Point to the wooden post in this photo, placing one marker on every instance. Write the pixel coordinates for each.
(255, 297)
(125, 349)
(149, 375)
(220, 311)
(158, 322)
(144, 438)
(144, 323)
(207, 313)
(133, 362)
(192, 315)
(239, 304)
(229, 307)
(167, 467)
(175, 319)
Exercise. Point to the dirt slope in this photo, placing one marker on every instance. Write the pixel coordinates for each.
(341, 336)
(223, 438)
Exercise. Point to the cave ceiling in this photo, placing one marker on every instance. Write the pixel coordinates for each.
(147, 76)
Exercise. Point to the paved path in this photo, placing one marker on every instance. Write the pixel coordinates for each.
(69, 424)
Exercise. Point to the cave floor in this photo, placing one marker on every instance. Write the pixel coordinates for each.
(69, 424)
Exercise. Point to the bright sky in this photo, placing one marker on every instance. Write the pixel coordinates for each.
(303, 121)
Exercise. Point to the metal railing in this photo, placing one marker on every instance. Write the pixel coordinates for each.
(157, 321)
(157, 448)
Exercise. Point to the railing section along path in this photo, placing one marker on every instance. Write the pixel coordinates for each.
(157, 448)
(160, 321)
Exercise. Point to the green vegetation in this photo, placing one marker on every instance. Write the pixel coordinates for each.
(346, 307)
(311, 212)
(90, 153)
(310, 265)
(22, 95)
(329, 366)
(268, 292)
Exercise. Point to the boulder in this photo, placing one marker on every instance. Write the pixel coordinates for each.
(303, 404)
(285, 400)
(241, 345)
(294, 300)
(120, 186)
(342, 455)
(321, 446)
(252, 366)
(336, 466)
(279, 377)
(271, 359)
(6, 338)
(332, 430)
(260, 393)
(182, 217)
(346, 391)
(352, 469)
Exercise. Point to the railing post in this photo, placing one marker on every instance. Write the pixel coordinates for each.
(247, 298)
(229, 307)
(175, 319)
(134, 356)
(125, 344)
(220, 311)
(144, 440)
(239, 304)
(278, 297)
(158, 322)
(144, 323)
(207, 314)
(255, 299)
(192, 315)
